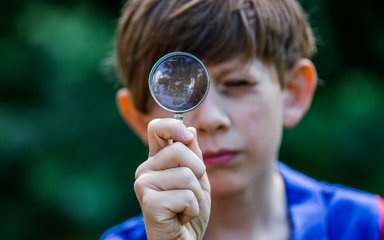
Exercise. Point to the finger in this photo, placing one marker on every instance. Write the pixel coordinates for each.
(173, 156)
(162, 131)
(169, 179)
(204, 183)
(163, 206)
(194, 145)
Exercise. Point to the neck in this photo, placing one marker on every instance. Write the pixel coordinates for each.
(255, 211)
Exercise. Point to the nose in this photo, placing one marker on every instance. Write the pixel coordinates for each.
(211, 115)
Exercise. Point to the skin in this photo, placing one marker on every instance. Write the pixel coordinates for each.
(234, 140)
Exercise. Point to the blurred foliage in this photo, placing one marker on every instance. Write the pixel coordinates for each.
(67, 160)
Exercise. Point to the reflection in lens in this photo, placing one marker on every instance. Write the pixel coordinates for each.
(179, 82)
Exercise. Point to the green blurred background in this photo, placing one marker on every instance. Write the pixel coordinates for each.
(67, 160)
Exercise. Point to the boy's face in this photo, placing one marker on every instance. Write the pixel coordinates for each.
(239, 124)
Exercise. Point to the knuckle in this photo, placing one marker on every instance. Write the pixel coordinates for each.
(137, 186)
(188, 173)
(147, 198)
(199, 169)
(190, 198)
(153, 123)
(143, 168)
(140, 184)
(178, 147)
(153, 126)
(180, 151)
(188, 178)
(138, 172)
(148, 202)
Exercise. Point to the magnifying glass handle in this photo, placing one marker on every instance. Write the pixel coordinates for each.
(179, 116)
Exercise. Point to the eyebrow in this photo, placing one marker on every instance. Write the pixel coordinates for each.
(222, 72)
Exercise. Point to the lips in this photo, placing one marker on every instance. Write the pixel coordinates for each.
(219, 158)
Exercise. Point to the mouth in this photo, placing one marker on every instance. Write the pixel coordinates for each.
(223, 157)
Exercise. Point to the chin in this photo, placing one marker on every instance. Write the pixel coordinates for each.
(224, 184)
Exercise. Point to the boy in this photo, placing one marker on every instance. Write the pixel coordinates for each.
(220, 178)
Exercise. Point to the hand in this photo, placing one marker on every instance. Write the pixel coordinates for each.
(172, 185)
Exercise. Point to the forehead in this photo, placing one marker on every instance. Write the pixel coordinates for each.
(228, 66)
(237, 65)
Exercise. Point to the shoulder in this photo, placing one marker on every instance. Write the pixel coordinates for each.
(351, 212)
(330, 211)
(133, 229)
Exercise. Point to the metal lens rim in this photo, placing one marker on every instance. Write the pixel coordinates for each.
(160, 61)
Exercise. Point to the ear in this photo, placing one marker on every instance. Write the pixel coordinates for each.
(137, 120)
(300, 87)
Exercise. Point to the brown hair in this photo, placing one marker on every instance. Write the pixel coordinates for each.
(275, 31)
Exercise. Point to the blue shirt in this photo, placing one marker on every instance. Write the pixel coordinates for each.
(316, 210)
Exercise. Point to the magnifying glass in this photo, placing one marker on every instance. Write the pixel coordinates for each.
(179, 82)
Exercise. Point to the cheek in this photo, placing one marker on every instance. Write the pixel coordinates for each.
(260, 120)
(263, 121)
(262, 109)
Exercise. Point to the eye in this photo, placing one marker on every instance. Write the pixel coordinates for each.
(237, 87)
(239, 83)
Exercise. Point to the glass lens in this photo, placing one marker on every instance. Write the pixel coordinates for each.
(179, 82)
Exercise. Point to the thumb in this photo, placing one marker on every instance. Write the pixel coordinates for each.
(194, 145)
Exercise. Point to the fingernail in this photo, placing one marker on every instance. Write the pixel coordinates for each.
(188, 135)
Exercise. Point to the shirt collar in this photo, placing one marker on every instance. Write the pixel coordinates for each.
(306, 208)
